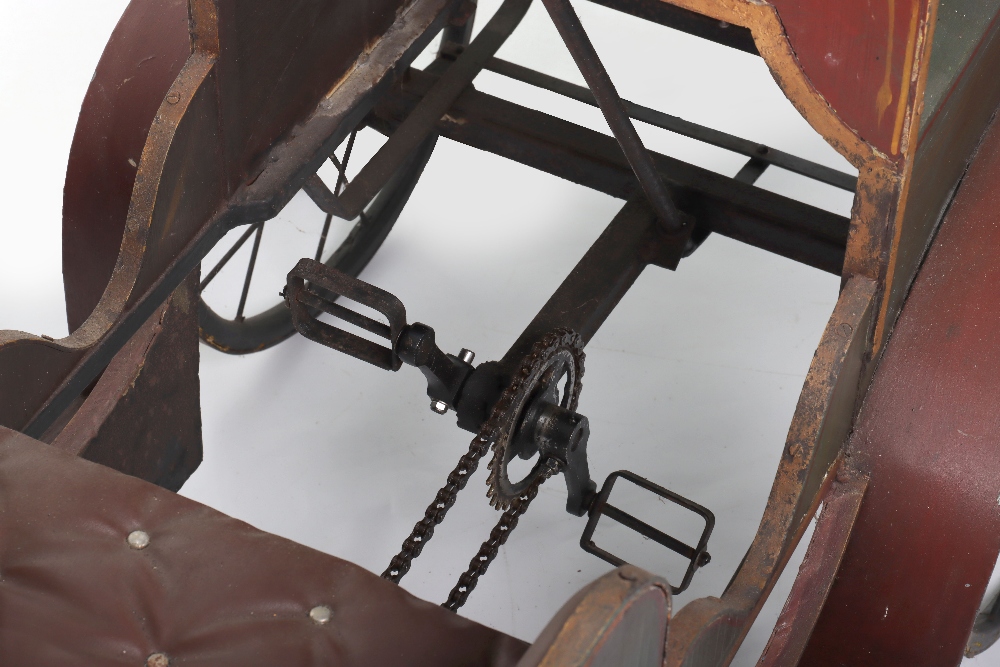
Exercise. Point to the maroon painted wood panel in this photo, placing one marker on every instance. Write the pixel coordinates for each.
(859, 55)
(145, 53)
(928, 531)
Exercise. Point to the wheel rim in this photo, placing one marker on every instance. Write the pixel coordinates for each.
(243, 335)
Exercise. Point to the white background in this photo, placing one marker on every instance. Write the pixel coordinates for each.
(692, 381)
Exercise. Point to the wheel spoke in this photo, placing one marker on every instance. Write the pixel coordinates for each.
(322, 237)
(250, 267)
(342, 179)
(228, 256)
(341, 183)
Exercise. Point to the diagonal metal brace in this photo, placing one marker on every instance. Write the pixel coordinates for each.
(583, 52)
(422, 120)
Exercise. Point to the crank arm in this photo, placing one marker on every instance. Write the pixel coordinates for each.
(561, 435)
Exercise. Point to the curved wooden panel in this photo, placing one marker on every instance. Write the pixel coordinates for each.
(928, 532)
(189, 187)
(146, 52)
(861, 56)
(620, 619)
(708, 631)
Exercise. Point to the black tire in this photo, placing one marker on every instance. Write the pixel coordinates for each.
(261, 331)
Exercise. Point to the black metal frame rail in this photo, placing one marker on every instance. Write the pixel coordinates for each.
(685, 20)
(751, 149)
(728, 206)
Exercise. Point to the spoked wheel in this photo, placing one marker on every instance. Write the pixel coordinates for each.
(241, 334)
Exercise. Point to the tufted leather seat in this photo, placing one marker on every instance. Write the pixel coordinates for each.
(207, 590)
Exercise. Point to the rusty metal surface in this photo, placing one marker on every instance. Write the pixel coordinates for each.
(143, 417)
(589, 158)
(927, 437)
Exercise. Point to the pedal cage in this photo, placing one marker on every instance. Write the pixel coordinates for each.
(697, 556)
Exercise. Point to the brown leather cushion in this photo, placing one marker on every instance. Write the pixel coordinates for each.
(207, 590)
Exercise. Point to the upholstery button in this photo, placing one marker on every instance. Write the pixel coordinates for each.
(139, 539)
(157, 659)
(320, 615)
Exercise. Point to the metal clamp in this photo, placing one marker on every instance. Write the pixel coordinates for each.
(697, 556)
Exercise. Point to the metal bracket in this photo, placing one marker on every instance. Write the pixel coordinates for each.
(697, 556)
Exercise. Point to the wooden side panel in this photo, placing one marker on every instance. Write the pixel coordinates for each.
(620, 619)
(941, 158)
(146, 52)
(812, 584)
(707, 632)
(143, 417)
(265, 86)
(859, 54)
(928, 532)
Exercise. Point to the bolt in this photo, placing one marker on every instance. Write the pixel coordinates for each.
(138, 539)
(439, 407)
(173, 98)
(704, 558)
(320, 615)
(467, 355)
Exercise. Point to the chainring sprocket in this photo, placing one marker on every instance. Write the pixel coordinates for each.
(556, 357)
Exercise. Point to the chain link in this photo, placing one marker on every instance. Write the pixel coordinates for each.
(467, 465)
(498, 536)
(436, 511)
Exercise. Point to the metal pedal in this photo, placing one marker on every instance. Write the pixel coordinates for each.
(313, 288)
(697, 556)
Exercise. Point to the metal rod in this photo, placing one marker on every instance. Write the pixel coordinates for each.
(572, 32)
(322, 237)
(751, 171)
(685, 20)
(341, 183)
(250, 268)
(228, 256)
(592, 159)
(421, 122)
(342, 169)
(646, 530)
(751, 149)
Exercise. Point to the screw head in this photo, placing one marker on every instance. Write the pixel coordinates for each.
(138, 539)
(466, 355)
(439, 407)
(158, 660)
(320, 614)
